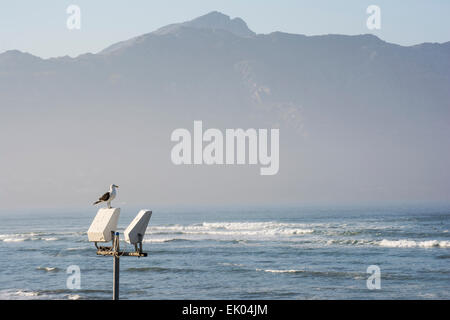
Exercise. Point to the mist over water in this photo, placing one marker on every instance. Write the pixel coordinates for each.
(239, 253)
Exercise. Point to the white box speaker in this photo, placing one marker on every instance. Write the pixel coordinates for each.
(135, 232)
(104, 222)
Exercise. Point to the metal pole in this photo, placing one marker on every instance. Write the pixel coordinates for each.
(116, 268)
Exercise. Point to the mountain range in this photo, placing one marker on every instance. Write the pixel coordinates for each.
(359, 118)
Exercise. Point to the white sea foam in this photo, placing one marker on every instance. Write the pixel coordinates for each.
(18, 294)
(26, 293)
(280, 271)
(405, 243)
(76, 248)
(30, 236)
(232, 264)
(50, 239)
(228, 231)
(49, 269)
(22, 238)
(13, 239)
(159, 240)
(354, 242)
(412, 244)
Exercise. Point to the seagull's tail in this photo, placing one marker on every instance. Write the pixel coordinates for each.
(98, 201)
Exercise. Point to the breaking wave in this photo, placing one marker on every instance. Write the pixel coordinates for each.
(48, 269)
(227, 231)
(33, 236)
(351, 242)
(413, 244)
(317, 273)
(14, 294)
(281, 271)
(391, 243)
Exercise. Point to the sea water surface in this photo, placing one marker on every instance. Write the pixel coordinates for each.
(235, 253)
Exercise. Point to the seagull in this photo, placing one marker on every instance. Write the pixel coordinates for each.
(109, 196)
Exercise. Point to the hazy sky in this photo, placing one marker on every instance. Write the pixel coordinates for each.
(39, 27)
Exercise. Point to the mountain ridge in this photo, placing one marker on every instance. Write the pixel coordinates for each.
(218, 21)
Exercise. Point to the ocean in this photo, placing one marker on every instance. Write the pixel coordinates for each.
(304, 252)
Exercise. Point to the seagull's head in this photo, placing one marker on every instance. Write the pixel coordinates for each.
(114, 186)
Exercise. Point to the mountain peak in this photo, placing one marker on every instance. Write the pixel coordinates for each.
(18, 56)
(213, 20)
(16, 53)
